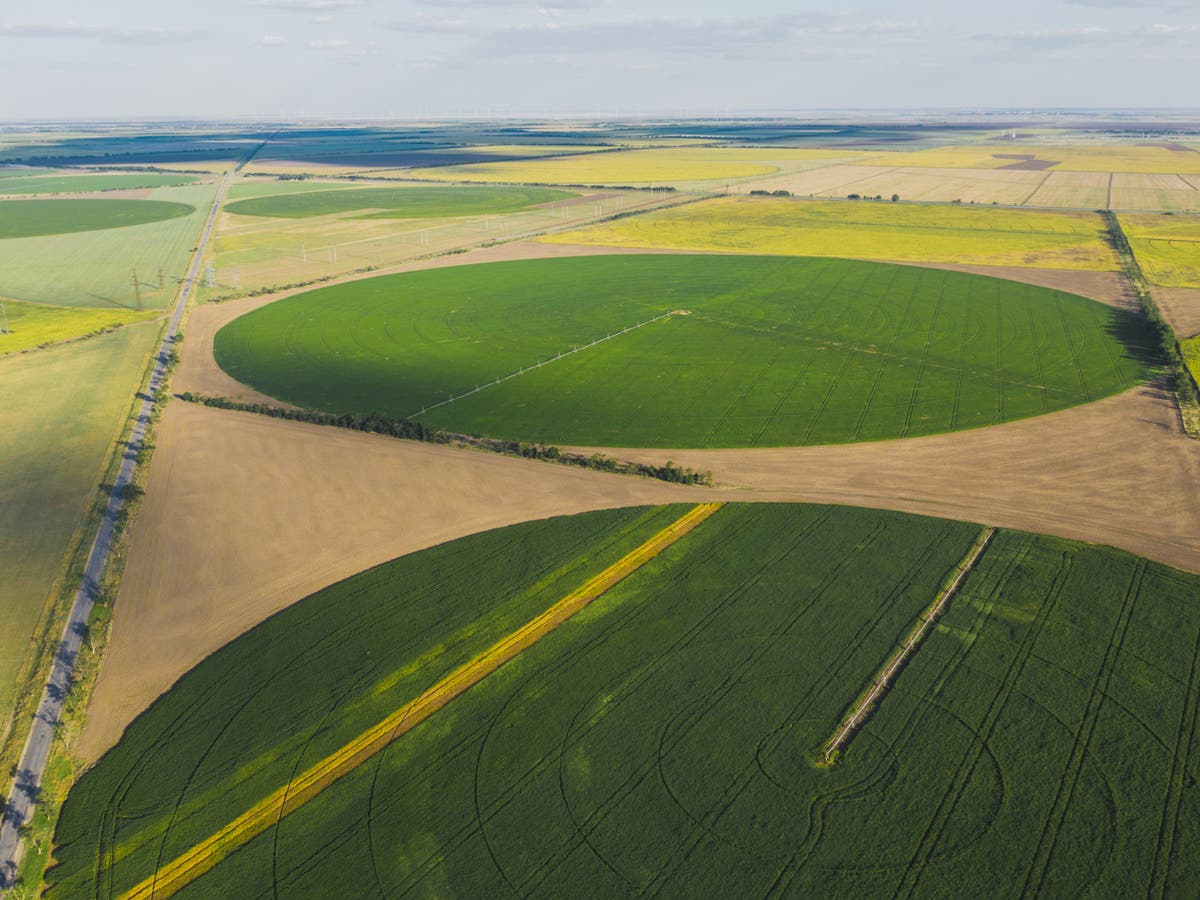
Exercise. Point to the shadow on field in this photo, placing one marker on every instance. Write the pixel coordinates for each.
(1135, 334)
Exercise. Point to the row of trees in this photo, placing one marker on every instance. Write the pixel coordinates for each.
(376, 423)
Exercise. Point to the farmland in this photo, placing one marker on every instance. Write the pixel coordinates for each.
(682, 166)
(65, 183)
(1058, 693)
(95, 268)
(1191, 355)
(865, 230)
(61, 412)
(397, 203)
(33, 324)
(31, 218)
(719, 350)
(253, 253)
(1076, 157)
(1167, 248)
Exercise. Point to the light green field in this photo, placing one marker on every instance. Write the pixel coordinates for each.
(61, 411)
(411, 202)
(1167, 248)
(864, 230)
(81, 184)
(95, 268)
(255, 253)
(35, 324)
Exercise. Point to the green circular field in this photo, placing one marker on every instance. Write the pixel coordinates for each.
(29, 218)
(663, 739)
(693, 351)
(399, 203)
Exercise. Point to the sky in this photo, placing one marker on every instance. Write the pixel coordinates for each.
(65, 59)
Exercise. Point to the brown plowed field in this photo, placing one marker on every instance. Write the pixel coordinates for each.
(1180, 307)
(244, 515)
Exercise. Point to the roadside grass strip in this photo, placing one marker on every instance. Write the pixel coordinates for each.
(174, 876)
(861, 711)
(542, 362)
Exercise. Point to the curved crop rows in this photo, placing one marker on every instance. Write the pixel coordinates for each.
(1042, 739)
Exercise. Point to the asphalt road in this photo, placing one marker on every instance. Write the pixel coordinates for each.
(22, 798)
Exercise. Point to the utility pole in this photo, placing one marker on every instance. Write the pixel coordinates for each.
(137, 291)
(161, 281)
(4, 313)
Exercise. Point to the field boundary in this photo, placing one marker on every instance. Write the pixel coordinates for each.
(541, 362)
(208, 853)
(1186, 390)
(862, 710)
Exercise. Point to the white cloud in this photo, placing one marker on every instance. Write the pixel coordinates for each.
(273, 40)
(329, 45)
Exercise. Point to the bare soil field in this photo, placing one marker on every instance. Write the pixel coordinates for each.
(1180, 307)
(244, 515)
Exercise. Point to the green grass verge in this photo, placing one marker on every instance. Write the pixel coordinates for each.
(79, 184)
(398, 203)
(62, 410)
(95, 268)
(771, 350)
(1042, 741)
(34, 324)
(31, 218)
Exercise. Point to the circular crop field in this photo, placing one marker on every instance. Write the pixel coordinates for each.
(399, 203)
(29, 218)
(670, 735)
(687, 351)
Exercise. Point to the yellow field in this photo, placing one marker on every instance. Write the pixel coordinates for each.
(199, 859)
(1167, 247)
(674, 166)
(33, 324)
(980, 235)
(1191, 355)
(1070, 158)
